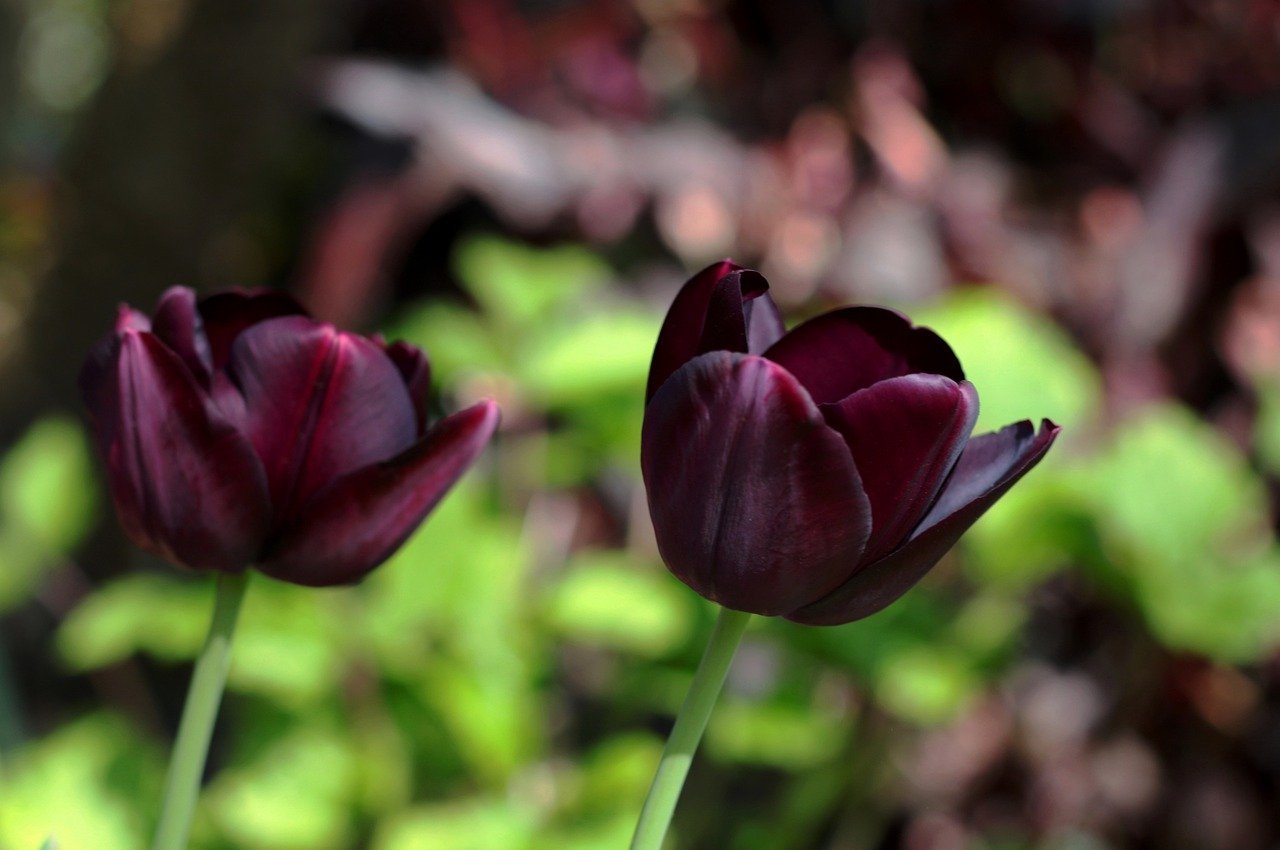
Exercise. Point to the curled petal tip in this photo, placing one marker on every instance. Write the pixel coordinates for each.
(129, 319)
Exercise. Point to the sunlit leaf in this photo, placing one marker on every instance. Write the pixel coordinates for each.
(295, 795)
(795, 737)
(163, 615)
(1185, 525)
(48, 501)
(599, 353)
(926, 685)
(521, 285)
(464, 825)
(92, 783)
(607, 599)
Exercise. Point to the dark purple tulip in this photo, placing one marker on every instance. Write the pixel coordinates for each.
(816, 474)
(238, 432)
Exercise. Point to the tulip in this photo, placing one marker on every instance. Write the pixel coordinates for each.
(815, 474)
(237, 431)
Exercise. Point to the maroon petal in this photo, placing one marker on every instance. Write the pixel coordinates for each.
(905, 434)
(100, 362)
(186, 485)
(764, 323)
(178, 324)
(416, 370)
(989, 466)
(727, 326)
(841, 352)
(226, 314)
(359, 521)
(755, 501)
(319, 404)
(989, 462)
(714, 312)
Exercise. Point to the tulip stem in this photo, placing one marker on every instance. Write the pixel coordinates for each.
(191, 748)
(660, 805)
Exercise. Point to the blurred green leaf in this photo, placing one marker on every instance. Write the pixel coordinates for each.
(577, 360)
(790, 736)
(926, 685)
(1023, 365)
(520, 285)
(456, 339)
(297, 794)
(159, 614)
(86, 785)
(47, 484)
(1185, 523)
(459, 581)
(607, 599)
(463, 825)
(445, 616)
(594, 437)
(291, 642)
(48, 502)
(614, 776)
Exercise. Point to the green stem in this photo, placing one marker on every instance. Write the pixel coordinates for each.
(186, 767)
(660, 805)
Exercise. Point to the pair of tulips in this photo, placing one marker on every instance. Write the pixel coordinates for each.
(815, 474)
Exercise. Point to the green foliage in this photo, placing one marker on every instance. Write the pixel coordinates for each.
(161, 615)
(519, 286)
(80, 785)
(1184, 521)
(608, 599)
(47, 504)
(298, 793)
(547, 331)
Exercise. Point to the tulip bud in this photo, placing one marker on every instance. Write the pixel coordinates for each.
(237, 431)
(815, 474)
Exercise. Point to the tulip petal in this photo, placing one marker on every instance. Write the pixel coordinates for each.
(841, 352)
(100, 362)
(416, 370)
(186, 485)
(756, 502)
(319, 404)
(226, 314)
(715, 311)
(986, 464)
(905, 434)
(764, 322)
(129, 319)
(989, 466)
(359, 521)
(178, 324)
(727, 326)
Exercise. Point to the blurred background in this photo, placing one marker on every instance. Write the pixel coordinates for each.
(1083, 197)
